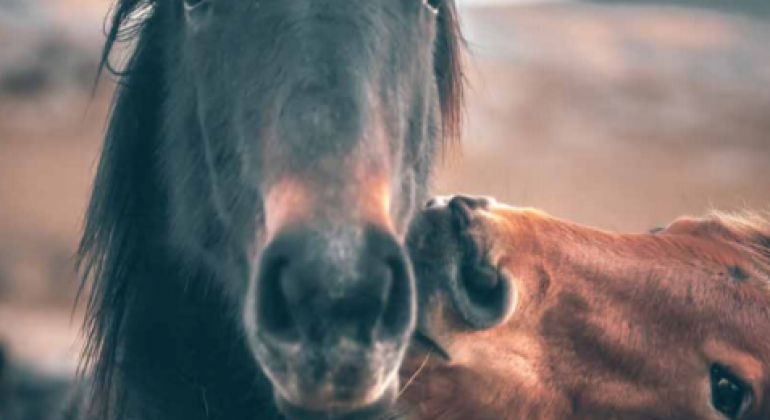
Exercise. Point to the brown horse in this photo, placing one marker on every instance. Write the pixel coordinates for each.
(524, 316)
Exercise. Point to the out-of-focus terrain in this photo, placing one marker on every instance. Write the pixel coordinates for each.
(622, 117)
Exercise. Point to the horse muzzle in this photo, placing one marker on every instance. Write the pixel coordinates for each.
(329, 319)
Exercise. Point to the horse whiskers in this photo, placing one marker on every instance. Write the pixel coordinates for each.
(414, 376)
(205, 402)
(398, 413)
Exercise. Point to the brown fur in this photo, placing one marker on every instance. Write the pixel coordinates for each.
(606, 325)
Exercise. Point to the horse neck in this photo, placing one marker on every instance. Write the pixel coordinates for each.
(183, 354)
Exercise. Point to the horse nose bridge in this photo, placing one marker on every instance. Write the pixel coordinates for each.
(323, 115)
(336, 208)
(332, 93)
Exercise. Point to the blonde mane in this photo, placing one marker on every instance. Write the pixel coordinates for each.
(749, 231)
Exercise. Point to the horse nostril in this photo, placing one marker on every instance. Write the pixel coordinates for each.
(398, 307)
(483, 295)
(273, 313)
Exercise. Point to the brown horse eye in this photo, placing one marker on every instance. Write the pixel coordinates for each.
(729, 395)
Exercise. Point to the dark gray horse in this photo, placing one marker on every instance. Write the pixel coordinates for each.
(263, 161)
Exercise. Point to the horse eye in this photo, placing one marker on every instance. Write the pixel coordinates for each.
(432, 5)
(729, 395)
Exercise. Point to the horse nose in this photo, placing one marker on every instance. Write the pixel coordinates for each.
(320, 289)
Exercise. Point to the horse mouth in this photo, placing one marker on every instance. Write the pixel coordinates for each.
(430, 344)
(374, 411)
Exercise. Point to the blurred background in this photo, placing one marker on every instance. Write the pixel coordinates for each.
(622, 115)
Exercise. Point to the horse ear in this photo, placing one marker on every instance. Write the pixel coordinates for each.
(448, 69)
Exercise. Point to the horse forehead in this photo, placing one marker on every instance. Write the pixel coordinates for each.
(339, 16)
(726, 261)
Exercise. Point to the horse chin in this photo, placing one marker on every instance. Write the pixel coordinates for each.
(376, 410)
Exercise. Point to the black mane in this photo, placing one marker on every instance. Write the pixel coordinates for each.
(123, 254)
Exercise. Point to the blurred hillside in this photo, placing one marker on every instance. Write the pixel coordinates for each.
(50, 131)
(622, 117)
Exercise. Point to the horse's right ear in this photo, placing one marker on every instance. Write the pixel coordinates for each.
(448, 70)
